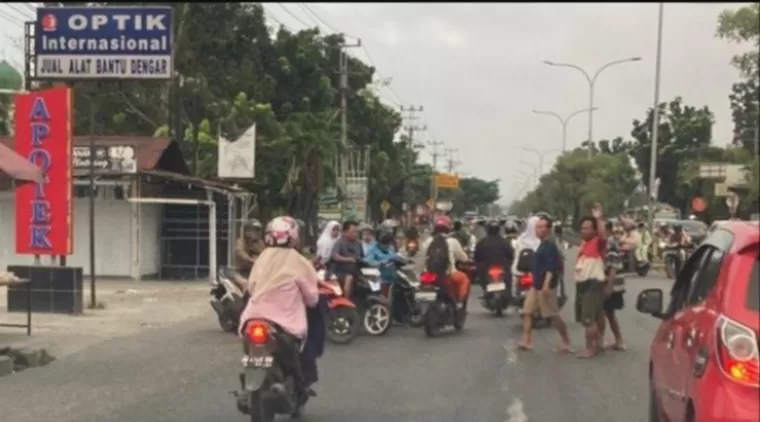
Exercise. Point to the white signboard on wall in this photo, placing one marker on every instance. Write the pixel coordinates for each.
(237, 159)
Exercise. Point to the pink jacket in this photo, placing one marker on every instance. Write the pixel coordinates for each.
(284, 305)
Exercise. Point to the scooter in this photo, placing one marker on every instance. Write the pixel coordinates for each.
(633, 265)
(374, 307)
(343, 317)
(227, 299)
(268, 383)
(438, 308)
(404, 307)
(498, 295)
(674, 256)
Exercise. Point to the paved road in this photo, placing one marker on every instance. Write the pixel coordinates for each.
(183, 374)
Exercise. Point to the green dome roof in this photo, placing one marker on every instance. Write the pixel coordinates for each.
(10, 78)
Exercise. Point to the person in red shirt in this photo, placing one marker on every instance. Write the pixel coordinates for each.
(590, 278)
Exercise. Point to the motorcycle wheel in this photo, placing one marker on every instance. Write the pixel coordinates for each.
(377, 319)
(642, 270)
(430, 322)
(259, 409)
(228, 324)
(350, 318)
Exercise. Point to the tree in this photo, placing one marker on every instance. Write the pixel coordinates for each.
(742, 26)
(683, 132)
(474, 194)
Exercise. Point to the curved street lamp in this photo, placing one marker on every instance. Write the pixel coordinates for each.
(591, 81)
(565, 121)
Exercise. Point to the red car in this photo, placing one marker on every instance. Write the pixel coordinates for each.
(704, 363)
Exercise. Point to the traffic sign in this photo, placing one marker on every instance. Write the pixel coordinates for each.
(385, 206)
(446, 181)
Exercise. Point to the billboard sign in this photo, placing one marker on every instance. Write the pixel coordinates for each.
(103, 43)
(43, 135)
(116, 159)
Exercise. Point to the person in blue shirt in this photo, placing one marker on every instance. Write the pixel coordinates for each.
(382, 253)
(368, 237)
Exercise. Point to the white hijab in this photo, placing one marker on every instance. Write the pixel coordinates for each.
(326, 242)
(528, 239)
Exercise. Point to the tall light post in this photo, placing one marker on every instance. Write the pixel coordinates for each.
(540, 155)
(591, 81)
(564, 121)
(655, 129)
(536, 172)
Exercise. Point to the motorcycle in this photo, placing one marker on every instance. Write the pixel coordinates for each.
(375, 308)
(271, 371)
(227, 299)
(404, 307)
(674, 256)
(437, 307)
(343, 318)
(633, 265)
(498, 294)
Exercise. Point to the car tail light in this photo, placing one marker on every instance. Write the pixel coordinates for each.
(738, 352)
(526, 280)
(258, 332)
(495, 272)
(428, 278)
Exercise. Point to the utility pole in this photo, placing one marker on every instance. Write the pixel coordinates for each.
(343, 159)
(435, 154)
(410, 115)
(451, 161)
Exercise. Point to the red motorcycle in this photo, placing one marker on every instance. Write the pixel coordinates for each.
(344, 318)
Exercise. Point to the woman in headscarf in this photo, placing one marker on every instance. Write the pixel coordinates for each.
(528, 240)
(282, 285)
(327, 240)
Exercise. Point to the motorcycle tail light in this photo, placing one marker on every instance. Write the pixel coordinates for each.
(495, 272)
(258, 332)
(738, 354)
(526, 280)
(411, 245)
(428, 278)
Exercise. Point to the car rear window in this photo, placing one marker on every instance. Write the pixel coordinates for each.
(753, 290)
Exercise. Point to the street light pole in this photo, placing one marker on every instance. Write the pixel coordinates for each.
(564, 121)
(591, 81)
(655, 129)
(540, 155)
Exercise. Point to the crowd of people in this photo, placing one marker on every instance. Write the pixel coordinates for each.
(282, 284)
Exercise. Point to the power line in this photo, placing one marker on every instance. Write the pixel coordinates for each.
(294, 16)
(318, 19)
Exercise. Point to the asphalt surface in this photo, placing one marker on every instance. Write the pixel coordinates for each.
(184, 373)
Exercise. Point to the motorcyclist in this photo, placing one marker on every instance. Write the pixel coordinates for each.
(511, 230)
(493, 250)
(281, 282)
(678, 236)
(459, 280)
(460, 234)
(248, 247)
(382, 254)
(367, 232)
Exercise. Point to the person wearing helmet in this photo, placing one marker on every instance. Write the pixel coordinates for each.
(493, 250)
(248, 247)
(367, 234)
(444, 250)
(382, 253)
(281, 282)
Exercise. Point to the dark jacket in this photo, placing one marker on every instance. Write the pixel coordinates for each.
(492, 251)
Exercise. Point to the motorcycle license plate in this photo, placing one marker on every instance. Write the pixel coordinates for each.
(496, 287)
(425, 296)
(374, 285)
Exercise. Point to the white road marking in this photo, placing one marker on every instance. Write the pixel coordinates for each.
(515, 412)
(511, 348)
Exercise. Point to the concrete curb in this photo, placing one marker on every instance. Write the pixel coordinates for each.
(14, 360)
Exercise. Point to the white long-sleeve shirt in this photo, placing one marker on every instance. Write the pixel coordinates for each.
(456, 253)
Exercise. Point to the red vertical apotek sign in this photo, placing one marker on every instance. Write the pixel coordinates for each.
(43, 135)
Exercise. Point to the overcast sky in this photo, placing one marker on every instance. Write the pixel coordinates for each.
(477, 69)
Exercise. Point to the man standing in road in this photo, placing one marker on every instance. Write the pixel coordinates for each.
(590, 278)
(542, 298)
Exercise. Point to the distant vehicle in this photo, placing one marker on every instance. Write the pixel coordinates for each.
(705, 351)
